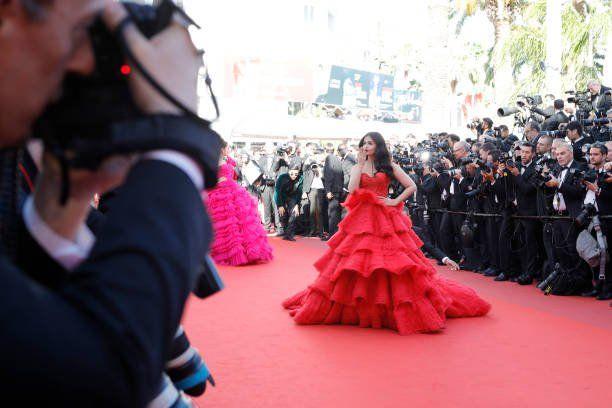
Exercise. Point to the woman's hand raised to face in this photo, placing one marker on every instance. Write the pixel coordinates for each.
(361, 157)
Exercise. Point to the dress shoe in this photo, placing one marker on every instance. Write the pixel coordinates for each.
(288, 238)
(525, 279)
(589, 293)
(491, 272)
(604, 296)
(501, 277)
(325, 238)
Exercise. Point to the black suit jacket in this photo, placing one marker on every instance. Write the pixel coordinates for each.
(458, 201)
(573, 192)
(347, 165)
(433, 192)
(577, 148)
(333, 176)
(599, 100)
(103, 335)
(526, 192)
(553, 122)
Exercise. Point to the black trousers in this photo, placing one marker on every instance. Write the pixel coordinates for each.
(547, 242)
(435, 220)
(315, 210)
(492, 229)
(506, 232)
(334, 211)
(270, 211)
(289, 220)
(529, 250)
(450, 229)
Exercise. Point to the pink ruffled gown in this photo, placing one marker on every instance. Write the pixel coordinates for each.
(240, 238)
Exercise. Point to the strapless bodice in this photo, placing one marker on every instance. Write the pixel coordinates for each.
(378, 183)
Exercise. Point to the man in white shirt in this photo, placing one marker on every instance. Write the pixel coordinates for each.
(567, 202)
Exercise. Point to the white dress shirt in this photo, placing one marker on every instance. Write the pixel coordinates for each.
(317, 183)
(70, 253)
(558, 200)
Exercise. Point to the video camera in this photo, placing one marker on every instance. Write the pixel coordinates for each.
(524, 111)
(542, 167)
(582, 100)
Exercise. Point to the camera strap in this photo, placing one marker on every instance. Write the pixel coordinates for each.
(119, 34)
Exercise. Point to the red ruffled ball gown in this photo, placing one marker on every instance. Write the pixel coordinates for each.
(375, 275)
(240, 238)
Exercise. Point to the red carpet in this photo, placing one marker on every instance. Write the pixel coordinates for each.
(531, 351)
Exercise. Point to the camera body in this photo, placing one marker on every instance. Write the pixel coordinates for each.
(588, 211)
(79, 126)
(582, 100)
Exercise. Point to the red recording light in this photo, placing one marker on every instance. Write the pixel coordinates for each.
(126, 70)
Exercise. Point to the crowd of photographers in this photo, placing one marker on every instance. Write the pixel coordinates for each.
(300, 188)
(512, 207)
(534, 207)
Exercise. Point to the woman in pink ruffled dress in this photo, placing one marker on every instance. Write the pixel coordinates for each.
(240, 238)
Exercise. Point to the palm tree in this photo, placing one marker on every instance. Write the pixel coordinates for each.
(501, 14)
(585, 29)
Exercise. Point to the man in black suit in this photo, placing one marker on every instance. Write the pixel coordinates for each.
(457, 185)
(348, 161)
(333, 181)
(102, 337)
(558, 117)
(600, 192)
(578, 139)
(600, 96)
(526, 197)
(568, 200)
(433, 199)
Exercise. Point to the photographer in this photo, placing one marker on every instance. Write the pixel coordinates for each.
(505, 196)
(457, 182)
(559, 116)
(313, 192)
(269, 163)
(567, 201)
(287, 195)
(526, 197)
(487, 129)
(532, 132)
(600, 193)
(333, 179)
(102, 337)
(545, 164)
(544, 145)
(600, 96)
(433, 189)
(578, 140)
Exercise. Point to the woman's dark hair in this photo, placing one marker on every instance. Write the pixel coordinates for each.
(382, 157)
(223, 143)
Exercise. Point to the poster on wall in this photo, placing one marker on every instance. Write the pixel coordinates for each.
(359, 89)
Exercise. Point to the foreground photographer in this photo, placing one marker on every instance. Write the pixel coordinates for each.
(100, 339)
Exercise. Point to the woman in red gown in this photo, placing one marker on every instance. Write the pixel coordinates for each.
(374, 274)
